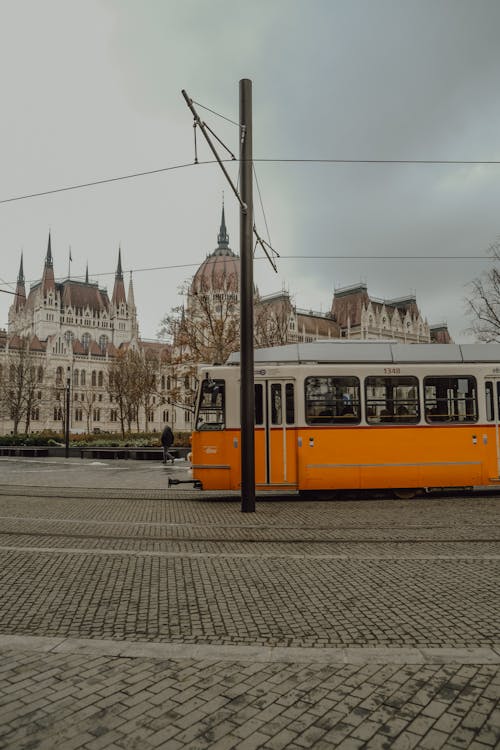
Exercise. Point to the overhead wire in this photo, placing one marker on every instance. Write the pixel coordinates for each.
(134, 175)
(223, 117)
(93, 183)
(150, 269)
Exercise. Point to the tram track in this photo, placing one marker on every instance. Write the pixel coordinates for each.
(249, 539)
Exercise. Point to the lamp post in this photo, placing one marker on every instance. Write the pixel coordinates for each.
(68, 403)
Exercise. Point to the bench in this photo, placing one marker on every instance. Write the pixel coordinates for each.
(23, 450)
(104, 452)
(140, 454)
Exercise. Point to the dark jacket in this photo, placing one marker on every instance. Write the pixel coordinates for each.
(167, 437)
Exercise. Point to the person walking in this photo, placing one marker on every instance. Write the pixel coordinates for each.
(167, 440)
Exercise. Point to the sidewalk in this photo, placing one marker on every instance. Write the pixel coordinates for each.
(134, 616)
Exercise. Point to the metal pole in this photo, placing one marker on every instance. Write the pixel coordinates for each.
(66, 426)
(247, 397)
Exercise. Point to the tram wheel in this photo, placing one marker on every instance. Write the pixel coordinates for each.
(406, 494)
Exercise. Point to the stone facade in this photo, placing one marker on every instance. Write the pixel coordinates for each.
(72, 332)
(75, 331)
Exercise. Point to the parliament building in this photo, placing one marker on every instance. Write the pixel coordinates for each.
(74, 331)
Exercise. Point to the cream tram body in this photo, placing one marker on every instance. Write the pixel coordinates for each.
(355, 415)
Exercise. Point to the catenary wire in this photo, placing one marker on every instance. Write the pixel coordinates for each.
(107, 180)
(388, 162)
(196, 264)
(262, 205)
(223, 117)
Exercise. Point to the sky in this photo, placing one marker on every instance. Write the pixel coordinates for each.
(92, 90)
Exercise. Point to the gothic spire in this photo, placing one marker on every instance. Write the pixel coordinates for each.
(48, 281)
(20, 276)
(130, 297)
(119, 287)
(48, 259)
(223, 237)
(119, 272)
(87, 273)
(20, 298)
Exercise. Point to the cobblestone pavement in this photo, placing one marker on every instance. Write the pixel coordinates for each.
(133, 616)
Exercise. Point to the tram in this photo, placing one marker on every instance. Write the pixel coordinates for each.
(348, 415)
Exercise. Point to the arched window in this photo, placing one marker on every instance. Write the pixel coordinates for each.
(94, 377)
(163, 382)
(82, 377)
(103, 342)
(59, 376)
(100, 379)
(75, 377)
(86, 341)
(40, 374)
(69, 336)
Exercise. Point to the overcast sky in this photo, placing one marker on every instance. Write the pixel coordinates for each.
(91, 89)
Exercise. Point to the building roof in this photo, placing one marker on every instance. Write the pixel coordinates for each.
(220, 269)
(79, 294)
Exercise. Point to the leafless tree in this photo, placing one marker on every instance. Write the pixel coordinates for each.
(123, 387)
(132, 384)
(18, 384)
(272, 320)
(483, 303)
(149, 372)
(209, 329)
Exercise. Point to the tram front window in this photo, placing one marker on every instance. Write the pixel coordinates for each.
(211, 405)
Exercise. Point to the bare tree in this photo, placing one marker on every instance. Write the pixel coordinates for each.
(209, 329)
(272, 320)
(483, 304)
(19, 383)
(130, 384)
(149, 374)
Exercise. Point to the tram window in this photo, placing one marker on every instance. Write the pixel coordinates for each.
(259, 404)
(332, 400)
(276, 404)
(450, 399)
(290, 403)
(211, 405)
(392, 399)
(490, 414)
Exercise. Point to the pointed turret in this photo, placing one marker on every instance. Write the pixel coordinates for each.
(223, 237)
(48, 259)
(119, 287)
(48, 281)
(130, 296)
(20, 298)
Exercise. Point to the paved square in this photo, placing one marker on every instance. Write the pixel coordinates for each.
(143, 617)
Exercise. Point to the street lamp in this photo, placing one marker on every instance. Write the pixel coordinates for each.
(66, 425)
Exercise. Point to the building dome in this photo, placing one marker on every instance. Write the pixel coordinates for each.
(220, 271)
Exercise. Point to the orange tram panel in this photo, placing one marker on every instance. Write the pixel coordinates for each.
(338, 415)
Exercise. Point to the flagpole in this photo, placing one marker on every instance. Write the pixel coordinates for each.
(69, 262)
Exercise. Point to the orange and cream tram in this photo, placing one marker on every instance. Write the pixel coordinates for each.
(335, 415)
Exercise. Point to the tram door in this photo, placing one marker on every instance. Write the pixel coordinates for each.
(275, 444)
(492, 391)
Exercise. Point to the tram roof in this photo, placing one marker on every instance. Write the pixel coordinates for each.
(372, 351)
